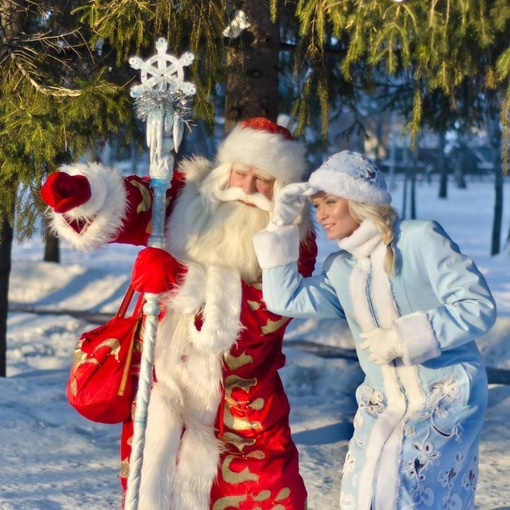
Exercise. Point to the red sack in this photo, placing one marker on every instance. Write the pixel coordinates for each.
(101, 386)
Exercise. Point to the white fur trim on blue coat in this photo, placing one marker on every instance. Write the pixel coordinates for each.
(417, 338)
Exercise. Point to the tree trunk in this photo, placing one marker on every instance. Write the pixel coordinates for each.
(494, 134)
(414, 169)
(13, 15)
(498, 211)
(252, 68)
(6, 237)
(443, 169)
(404, 196)
(51, 246)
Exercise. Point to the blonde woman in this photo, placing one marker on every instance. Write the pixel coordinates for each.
(415, 305)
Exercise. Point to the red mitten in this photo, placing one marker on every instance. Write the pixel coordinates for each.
(63, 192)
(155, 271)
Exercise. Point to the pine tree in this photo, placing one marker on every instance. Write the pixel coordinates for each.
(65, 78)
(437, 60)
(434, 62)
(59, 100)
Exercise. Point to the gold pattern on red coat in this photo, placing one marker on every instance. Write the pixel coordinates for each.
(234, 422)
(240, 424)
(234, 477)
(229, 502)
(148, 228)
(237, 362)
(258, 404)
(254, 305)
(273, 326)
(124, 468)
(284, 494)
(263, 496)
(237, 441)
(234, 381)
(146, 202)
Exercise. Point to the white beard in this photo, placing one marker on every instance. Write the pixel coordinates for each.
(216, 233)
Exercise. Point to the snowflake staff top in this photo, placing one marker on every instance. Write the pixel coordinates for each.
(163, 100)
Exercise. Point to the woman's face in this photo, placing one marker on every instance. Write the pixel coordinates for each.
(334, 216)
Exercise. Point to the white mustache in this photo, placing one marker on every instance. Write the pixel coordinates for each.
(237, 194)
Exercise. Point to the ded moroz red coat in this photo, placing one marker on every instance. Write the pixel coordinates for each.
(218, 435)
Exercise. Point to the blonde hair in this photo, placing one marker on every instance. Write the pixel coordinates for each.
(384, 217)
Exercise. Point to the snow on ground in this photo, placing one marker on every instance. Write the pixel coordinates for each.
(53, 459)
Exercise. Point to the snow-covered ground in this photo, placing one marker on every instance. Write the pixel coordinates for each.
(53, 459)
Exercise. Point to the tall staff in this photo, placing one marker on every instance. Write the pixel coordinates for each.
(163, 101)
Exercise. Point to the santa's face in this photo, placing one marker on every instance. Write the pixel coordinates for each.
(251, 180)
(245, 184)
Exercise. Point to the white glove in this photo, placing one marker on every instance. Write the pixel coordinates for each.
(290, 202)
(383, 345)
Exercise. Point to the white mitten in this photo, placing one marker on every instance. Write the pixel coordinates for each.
(383, 345)
(290, 202)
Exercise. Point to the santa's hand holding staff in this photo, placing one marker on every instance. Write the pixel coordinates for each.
(218, 432)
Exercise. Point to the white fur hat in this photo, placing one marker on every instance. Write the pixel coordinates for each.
(351, 175)
(265, 145)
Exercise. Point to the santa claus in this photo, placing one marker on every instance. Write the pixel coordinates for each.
(218, 433)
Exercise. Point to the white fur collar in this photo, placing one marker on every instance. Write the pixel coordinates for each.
(363, 241)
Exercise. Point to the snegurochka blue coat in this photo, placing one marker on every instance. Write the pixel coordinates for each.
(419, 418)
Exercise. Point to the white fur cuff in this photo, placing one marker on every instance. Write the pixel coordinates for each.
(103, 214)
(277, 247)
(417, 337)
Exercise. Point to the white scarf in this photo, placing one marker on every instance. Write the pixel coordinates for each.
(369, 284)
(363, 241)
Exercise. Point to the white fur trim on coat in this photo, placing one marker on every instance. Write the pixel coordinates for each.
(181, 451)
(190, 296)
(195, 169)
(103, 214)
(216, 292)
(221, 312)
(417, 338)
(277, 247)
